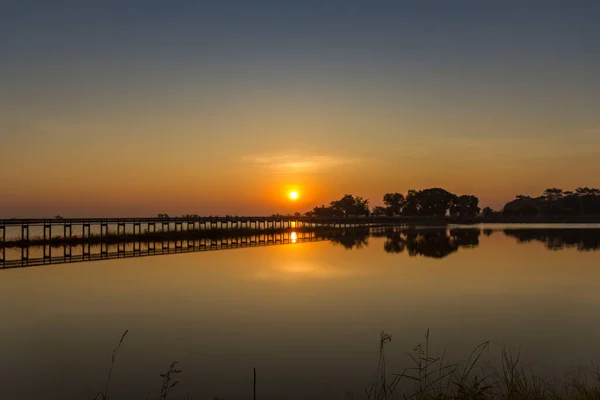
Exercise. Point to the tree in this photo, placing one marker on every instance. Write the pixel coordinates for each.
(590, 200)
(553, 194)
(350, 205)
(465, 206)
(394, 203)
(411, 203)
(323, 212)
(488, 212)
(435, 202)
(378, 211)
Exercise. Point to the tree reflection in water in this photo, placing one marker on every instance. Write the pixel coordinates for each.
(435, 243)
(352, 239)
(557, 239)
(438, 243)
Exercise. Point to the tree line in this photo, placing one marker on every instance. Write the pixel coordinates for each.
(438, 202)
(554, 202)
(434, 202)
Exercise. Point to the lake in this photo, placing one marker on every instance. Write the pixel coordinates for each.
(307, 316)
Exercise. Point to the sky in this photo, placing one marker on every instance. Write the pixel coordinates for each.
(133, 108)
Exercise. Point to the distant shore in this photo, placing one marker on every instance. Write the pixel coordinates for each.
(501, 219)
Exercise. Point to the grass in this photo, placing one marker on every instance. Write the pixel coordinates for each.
(429, 378)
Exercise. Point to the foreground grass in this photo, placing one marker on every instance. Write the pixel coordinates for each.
(430, 378)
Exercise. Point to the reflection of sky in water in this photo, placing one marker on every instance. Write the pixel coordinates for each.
(303, 314)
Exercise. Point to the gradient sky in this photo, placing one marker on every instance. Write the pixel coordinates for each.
(114, 108)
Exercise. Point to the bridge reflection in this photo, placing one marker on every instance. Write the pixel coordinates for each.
(44, 255)
(427, 242)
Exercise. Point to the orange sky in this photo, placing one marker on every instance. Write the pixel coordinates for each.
(221, 113)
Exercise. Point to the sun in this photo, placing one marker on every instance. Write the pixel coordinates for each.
(293, 195)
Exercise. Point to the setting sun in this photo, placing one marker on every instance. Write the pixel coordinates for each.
(293, 195)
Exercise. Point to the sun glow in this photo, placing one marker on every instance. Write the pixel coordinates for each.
(293, 195)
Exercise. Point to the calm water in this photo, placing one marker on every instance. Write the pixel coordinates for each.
(307, 316)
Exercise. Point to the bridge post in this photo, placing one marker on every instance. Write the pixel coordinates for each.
(67, 254)
(103, 249)
(65, 225)
(3, 248)
(47, 228)
(25, 232)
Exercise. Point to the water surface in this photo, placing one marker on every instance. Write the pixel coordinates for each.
(306, 315)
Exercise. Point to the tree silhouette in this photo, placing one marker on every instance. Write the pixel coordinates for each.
(411, 203)
(378, 211)
(554, 201)
(488, 212)
(350, 205)
(394, 203)
(465, 206)
(434, 202)
(553, 194)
